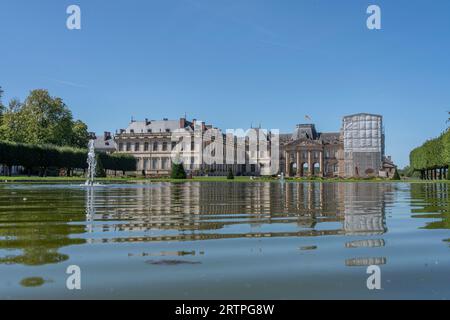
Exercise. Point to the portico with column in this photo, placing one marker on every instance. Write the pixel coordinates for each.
(300, 155)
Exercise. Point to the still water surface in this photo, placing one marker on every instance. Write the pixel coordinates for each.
(225, 240)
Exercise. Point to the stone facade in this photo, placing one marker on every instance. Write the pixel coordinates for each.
(309, 153)
(356, 151)
(152, 143)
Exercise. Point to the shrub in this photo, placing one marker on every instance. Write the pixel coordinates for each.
(396, 176)
(178, 171)
(230, 175)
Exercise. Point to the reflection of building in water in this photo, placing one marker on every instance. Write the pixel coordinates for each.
(365, 208)
(196, 210)
(364, 262)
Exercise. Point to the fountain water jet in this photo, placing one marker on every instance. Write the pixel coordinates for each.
(92, 164)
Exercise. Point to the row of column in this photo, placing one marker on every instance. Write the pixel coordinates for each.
(300, 164)
(434, 174)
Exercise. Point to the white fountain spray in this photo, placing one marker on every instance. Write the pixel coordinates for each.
(92, 164)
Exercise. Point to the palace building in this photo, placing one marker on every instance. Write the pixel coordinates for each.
(357, 150)
(310, 153)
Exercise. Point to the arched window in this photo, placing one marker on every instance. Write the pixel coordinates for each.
(305, 169)
(316, 168)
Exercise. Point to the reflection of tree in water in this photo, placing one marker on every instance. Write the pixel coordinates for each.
(36, 221)
(431, 201)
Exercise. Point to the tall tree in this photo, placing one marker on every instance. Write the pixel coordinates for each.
(45, 120)
(2, 108)
(11, 125)
(80, 134)
(42, 119)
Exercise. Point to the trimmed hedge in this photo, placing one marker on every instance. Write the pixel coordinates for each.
(47, 156)
(432, 154)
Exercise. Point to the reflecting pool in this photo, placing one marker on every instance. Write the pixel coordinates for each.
(205, 240)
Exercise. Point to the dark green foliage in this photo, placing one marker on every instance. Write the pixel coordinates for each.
(178, 171)
(46, 156)
(230, 175)
(100, 170)
(118, 162)
(396, 176)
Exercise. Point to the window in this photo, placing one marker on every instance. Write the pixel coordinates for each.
(146, 146)
(174, 144)
(131, 131)
(128, 146)
(136, 146)
(164, 163)
(149, 131)
(192, 146)
(121, 147)
(155, 146)
(168, 130)
(154, 164)
(164, 146)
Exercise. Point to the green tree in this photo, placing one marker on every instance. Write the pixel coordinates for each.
(178, 171)
(230, 174)
(2, 107)
(100, 169)
(11, 125)
(396, 176)
(46, 120)
(80, 134)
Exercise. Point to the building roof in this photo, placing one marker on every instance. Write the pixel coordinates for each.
(305, 131)
(104, 145)
(363, 114)
(154, 126)
(330, 136)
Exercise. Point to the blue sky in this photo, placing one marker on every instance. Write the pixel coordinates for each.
(235, 63)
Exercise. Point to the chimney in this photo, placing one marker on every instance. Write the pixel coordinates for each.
(107, 135)
(182, 123)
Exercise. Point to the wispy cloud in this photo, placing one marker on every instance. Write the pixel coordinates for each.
(67, 83)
